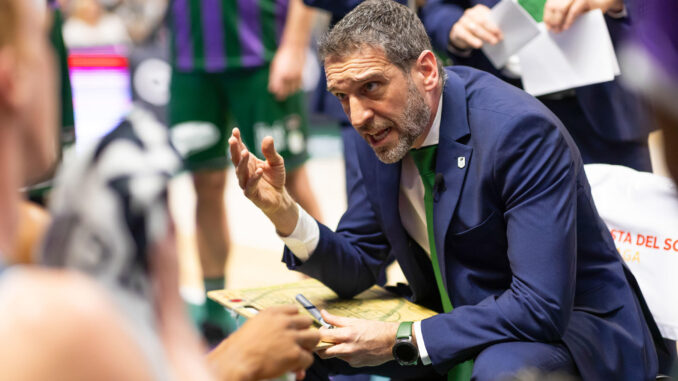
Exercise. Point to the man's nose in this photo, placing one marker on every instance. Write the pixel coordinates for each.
(359, 112)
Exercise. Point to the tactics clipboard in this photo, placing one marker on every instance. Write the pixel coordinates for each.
(374, 303)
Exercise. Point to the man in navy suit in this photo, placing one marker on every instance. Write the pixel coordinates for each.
(605, 120)
(529, 268)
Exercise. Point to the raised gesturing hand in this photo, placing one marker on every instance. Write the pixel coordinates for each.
(263, 182)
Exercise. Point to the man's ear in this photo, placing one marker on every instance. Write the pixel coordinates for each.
(9, 92)
(427, 69)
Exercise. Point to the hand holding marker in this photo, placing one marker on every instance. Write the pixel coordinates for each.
(313, 310)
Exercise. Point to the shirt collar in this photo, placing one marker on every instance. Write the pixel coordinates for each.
(434, 133)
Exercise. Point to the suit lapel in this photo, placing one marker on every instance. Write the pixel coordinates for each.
(452, 161)
(446, 197)
(388, 185)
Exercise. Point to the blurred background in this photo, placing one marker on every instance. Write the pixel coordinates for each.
(118, 55)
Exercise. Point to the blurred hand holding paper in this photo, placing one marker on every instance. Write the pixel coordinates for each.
(518, 29)
(580, 56)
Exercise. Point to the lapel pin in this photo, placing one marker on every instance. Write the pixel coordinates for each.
(461, 162)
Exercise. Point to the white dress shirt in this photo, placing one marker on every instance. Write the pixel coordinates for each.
(304, 239)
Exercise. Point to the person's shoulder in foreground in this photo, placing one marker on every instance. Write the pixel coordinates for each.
(48, 323)
(57, 324)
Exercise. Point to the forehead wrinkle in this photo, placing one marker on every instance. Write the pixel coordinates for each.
(355, 71)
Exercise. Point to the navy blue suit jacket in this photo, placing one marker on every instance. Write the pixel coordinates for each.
(613, 112)
(525, 255)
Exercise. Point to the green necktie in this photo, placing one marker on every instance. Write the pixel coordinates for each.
(425, 160)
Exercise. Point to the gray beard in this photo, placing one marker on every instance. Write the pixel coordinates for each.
(412, 124)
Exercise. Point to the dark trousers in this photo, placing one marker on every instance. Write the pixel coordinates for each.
(668, 361)
(494, 363)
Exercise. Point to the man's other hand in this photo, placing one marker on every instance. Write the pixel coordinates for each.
(559, 15)
(358, 342)
(475, 28)
(276, 341)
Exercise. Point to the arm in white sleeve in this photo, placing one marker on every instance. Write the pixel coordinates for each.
(423, 354)
(304, 239)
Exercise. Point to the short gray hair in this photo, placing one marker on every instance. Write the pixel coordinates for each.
(384, 24)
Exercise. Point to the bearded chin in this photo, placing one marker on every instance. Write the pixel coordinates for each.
(390, 155)
(412, 124)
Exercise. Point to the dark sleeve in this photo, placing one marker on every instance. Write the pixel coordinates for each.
(438, 17)
(357, 250)
(534, 174)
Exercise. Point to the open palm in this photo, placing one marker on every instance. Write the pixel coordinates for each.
(263, 181)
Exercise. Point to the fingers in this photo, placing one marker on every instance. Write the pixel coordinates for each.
(322, 353)
(249, 170)
(271, 155)
(304, 360)
(555, 13)
(242, 170)
(481, 25)
(336, 335)
(484, 33)
(308, 339)
(281, 85)
(465, 39)
(577, 8)
(300, 322)
(276, 87)
(338, 350)
(235, 145)
(475, 28)
(283, 88)
(337, 321)
(341, 332)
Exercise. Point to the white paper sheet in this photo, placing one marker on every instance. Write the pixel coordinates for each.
(518, 28)
(579, 56)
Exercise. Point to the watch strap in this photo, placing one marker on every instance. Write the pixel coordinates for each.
(404, 330)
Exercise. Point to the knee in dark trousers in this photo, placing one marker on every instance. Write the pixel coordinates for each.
(502, 361)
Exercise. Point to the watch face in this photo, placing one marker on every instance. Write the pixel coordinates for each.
(405, 352)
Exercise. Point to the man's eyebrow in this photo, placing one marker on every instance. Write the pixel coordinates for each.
(361, 78)
(369, 76)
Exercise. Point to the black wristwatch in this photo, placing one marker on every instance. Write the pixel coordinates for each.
(404, 351)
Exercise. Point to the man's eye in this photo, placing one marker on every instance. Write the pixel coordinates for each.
(371, 86)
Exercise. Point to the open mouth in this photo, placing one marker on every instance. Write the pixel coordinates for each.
(376, 139)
